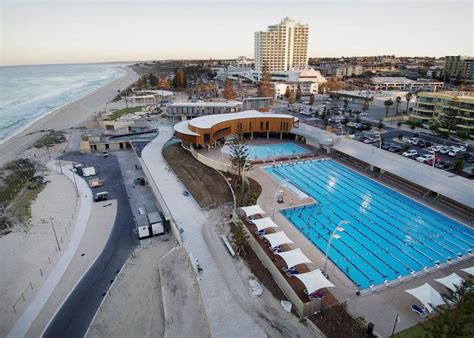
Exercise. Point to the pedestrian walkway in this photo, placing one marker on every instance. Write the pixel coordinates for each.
(224, 295)
(24, 322)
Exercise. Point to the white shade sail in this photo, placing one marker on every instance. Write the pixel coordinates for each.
(469, 270)
(278, 238)
(314, 280)
(253, 210)
(294, 257)
(451, 281)
(427, 295)
(264, 223)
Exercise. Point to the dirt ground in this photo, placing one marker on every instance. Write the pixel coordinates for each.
(208, 188)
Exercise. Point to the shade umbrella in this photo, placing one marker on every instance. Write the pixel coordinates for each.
(427, 295)
(294, 257)
(314, 280)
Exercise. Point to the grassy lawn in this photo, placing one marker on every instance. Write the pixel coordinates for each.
(412, 332)
(50, 139)
(13, 176)
(116, 114)
(21, 207)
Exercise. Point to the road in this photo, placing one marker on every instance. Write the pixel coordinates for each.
(75, 315)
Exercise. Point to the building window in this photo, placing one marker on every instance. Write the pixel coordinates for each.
(207, 138)
(267, 125)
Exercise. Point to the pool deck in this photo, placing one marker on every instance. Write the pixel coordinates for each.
(380, 307)
(216, 154)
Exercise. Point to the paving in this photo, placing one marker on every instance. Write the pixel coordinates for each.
(224, 295)
(134, 305)
(88, 294)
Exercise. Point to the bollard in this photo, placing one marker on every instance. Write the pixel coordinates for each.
(69, 222)
(49, 259)
(23, 296)
(41, 272)
(14, 309)
(66, 230)
(61, 239)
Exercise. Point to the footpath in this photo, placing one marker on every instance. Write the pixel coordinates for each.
(224, 295)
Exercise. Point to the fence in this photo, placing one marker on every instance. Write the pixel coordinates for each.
(60, 237)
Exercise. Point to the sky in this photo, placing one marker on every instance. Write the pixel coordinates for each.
(43, 32)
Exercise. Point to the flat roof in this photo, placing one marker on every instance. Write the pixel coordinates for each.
(454, 187)
(391, 79)
(229, 104)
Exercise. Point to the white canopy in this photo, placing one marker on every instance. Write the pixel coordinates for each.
(469, 270)
(253, 210)
(427, 295)
(451, 281)
(314, 280)
(263, 223)
(277, 239)
(294, 257)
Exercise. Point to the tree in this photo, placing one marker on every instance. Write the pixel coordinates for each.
(298, 93)
(163, 82)
(388, 103)
(408, 97)
(322, 88)
(311, 99)
(229, 91)
(447, 121)
(381, 125)
(240, 238)
(239, 157)
(179, 78)
(453, 321)
(153, 80)
(398, 100)
(459, 164)
(292, 97)
(287, 92)
(265, 87)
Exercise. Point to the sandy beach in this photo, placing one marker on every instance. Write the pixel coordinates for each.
(65, 117)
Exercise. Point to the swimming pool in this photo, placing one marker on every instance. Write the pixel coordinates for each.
(389, 236)
(274, 150)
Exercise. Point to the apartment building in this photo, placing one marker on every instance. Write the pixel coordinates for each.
(307, 88)
(403, 84)
(459, 68)
(341, 71)
(282, 46)
(431, 106)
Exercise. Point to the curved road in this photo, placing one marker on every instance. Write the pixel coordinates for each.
(75, 315)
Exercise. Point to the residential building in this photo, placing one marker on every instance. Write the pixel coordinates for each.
(431, 106)
(188, 110)
(459, 68)
(282, 46)
(403, 84)
(341, 71)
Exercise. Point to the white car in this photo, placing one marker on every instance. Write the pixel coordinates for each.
(414, 140)
(424, 158)
(437, 148)
(444, 150)
(453, 152)
(410, 153)
(457, 149)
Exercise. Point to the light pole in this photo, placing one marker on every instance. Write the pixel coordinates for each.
(338, 228)
(54, 231)
(397, 320)
(75, 183)
(281, 185)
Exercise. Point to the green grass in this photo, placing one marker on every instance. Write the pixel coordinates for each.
(50, 139)
(413, 332)
(21, 207)
(117, 114)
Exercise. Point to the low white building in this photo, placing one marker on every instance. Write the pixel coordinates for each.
(149, 97)
(307, 88)
(403, 84)
(189, 110)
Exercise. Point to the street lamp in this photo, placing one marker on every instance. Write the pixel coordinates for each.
(275, 196)
(334, 234)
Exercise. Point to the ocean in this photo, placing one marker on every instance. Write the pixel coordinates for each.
(28, 93)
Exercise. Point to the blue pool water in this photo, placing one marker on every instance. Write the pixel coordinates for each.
(275, 150)
(389, 235)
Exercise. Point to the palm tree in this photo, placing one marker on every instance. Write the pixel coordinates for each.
(388, 103)
(408, 97)
(398, 100)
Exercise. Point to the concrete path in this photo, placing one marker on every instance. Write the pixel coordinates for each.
(224, 295)
(24, 322)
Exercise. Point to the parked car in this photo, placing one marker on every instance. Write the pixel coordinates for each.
(414, 141)
(424, 144)
(470, 159)
(395, 149)
(463, 156)
(388, 145)
(410, 153)
(453, 153)
(444, 165)
(430, 161)
(444, 150)
(424, 158)
(437, 147)
(458, 148)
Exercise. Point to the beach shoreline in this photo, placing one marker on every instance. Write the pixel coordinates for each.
(67, 116)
